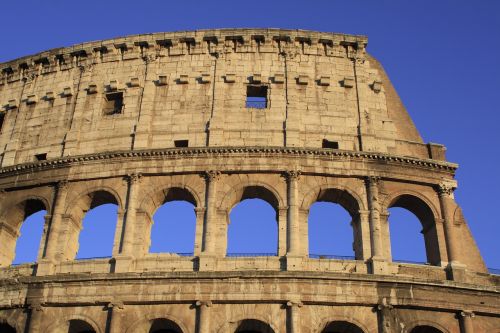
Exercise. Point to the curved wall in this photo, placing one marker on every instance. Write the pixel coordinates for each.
(192, 86)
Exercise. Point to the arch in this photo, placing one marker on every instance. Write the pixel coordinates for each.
(342, 195)
(342, 324)
(425, 329)
(425, 212)
(93, 197)
(232, 326)
(10, 225)
(176, 191)
(79, 321)
(162, 325)
(253, 326)
(393, 197)
(78, 208)
(144, 325)
(251, 190)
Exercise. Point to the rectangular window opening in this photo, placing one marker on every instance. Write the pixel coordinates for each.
(113, 103)
(41, 157)
(181, 143)
(330, 144)
(256, 97)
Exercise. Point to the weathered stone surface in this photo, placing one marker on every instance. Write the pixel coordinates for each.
(141, 120)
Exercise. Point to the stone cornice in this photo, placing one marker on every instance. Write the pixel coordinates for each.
(177, 43)
(207, 151)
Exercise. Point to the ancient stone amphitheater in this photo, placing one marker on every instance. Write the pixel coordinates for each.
(215, 117)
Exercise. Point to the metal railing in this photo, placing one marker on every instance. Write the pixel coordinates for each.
(331, 256)
(403, 261)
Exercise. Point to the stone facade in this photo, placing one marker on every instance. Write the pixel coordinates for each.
(141, 120)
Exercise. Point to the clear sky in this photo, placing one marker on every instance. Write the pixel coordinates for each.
(442, 56)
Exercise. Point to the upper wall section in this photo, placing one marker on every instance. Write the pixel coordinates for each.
(320, 90)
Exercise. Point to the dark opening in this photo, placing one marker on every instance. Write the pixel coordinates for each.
(113, 103)
(425, 329)
(330, 144)
(181, 143)
(2, 116)
(41, 157)
(256, 97)
(6, 328)
(79, 326)
(342, 327)
(164, 326)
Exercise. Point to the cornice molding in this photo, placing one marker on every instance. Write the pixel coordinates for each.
(207, 151)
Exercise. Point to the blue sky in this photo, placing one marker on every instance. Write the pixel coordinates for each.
(442, 57)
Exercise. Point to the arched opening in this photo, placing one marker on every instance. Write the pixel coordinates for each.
(425, 329)
(253, 326)
(6, 328)
(21, 232)
(253, 224)
(80, 326)
(413, 231)
(174, 223)
(333, 226)
(100, 215)
(342, 327)
(164, 326)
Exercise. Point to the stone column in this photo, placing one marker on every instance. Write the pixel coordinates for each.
(293, 227)
(203, 316)
(35, 318)
(115, 310)
(445, 192)
(385, 317)
(130, 214)
(210, 229)
(198, 240)
(124, 259)
(282, 221)
(207, 257)
(293, 317)
(50, 255)
(466, 318)
(374, 206)
(363, 221)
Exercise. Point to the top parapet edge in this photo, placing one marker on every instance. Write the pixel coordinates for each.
(202, 34)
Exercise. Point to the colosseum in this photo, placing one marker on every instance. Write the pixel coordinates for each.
(214, 117)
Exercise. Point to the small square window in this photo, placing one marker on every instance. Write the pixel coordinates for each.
(181, 143)
(113, 103)
(330, 144)
(256, 97)
(41, 157)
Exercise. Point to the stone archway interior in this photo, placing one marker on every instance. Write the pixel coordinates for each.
(80, 326)
(253, 326)
(164, 326)
(342, 327)
(6, 328)
(425, 329)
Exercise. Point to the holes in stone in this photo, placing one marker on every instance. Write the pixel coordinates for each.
(41, 157)
(98, 229)
(30, 234)
(2, 117)
(174, 227)
(113, 103)
(255, 233)
(256, 97)
(330, 232)
(181, 143)
(330, 144)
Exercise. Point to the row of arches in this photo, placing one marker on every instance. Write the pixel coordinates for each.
(332, 223)
(162, 325)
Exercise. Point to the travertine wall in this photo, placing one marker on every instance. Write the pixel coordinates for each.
(192, 86)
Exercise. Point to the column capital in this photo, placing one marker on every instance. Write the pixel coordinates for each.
(36, 306)
(467, 314)
(446, 188)
(203, 303)
(212, 175)
(292, 174)
(133, 178)
(198, 210)
(372, 180)
(62, 185)
(115, 305)
(297, 304)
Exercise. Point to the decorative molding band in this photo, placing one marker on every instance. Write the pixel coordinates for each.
(189, 152)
